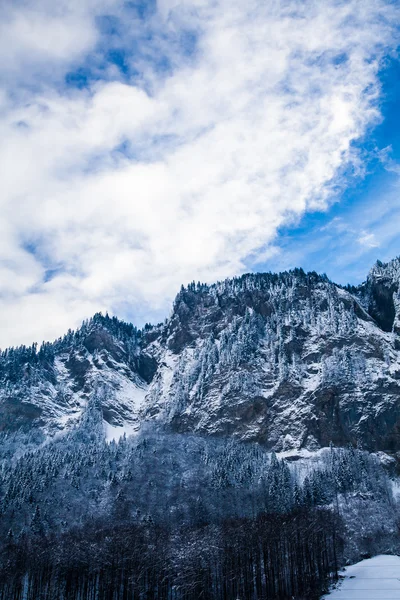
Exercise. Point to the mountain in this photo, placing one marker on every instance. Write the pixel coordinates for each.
(196, 504)
(289, 360)
(49, 388)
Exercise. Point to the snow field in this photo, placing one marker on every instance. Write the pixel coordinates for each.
(376, 578)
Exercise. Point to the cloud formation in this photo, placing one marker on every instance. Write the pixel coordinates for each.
(200, 128)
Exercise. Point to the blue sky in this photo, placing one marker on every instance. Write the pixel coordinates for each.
(146, 145)
(362, 225)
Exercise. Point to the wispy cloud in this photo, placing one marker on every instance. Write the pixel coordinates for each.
(345, 246)
(227, 121)
(368, 239)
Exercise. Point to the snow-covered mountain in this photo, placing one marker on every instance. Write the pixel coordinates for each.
(290, 360)
(50, 387)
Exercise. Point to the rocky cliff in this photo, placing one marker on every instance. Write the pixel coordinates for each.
(290, 360)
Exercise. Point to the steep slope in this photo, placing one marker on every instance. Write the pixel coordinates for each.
(289, 360)
(49, 388)
(381, 294)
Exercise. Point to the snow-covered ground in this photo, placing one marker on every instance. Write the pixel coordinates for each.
(376, 578)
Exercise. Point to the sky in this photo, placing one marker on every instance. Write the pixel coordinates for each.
(148, 144)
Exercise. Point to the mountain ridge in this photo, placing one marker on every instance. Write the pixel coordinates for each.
(291, 360)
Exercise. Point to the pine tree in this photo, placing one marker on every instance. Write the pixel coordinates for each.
(36, 526)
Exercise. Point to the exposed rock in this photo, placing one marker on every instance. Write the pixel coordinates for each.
(289, 360)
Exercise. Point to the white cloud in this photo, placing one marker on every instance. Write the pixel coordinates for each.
(242, 137)
(37, 38)
(368, 240)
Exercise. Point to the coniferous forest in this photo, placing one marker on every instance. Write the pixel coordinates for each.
(291, 555)
(170, 516)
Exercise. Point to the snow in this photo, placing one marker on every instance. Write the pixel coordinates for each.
(68, 419)
(114, 432)
(376, 578)
(396, 489)
(126, 395)
(129, 393)
(385, 459)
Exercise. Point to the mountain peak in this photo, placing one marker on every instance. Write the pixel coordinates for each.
(290, 360)
(390, 270)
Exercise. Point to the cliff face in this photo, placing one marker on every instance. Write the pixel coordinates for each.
(289, 360)
(381, 292)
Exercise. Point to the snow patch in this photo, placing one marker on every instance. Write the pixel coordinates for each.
(376, 578)
(115, 432)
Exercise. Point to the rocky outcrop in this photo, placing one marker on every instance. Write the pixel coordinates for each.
(289, 360)
(381, 294)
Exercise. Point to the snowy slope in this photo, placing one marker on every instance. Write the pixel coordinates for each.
(50, 389)
(377, 578)
(290, 360)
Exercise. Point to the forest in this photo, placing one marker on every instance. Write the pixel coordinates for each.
(173, 517)
(274, 556)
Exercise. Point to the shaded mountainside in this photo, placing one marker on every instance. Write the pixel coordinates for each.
(290, 360)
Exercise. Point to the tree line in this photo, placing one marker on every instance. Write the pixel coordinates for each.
(271, 557)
